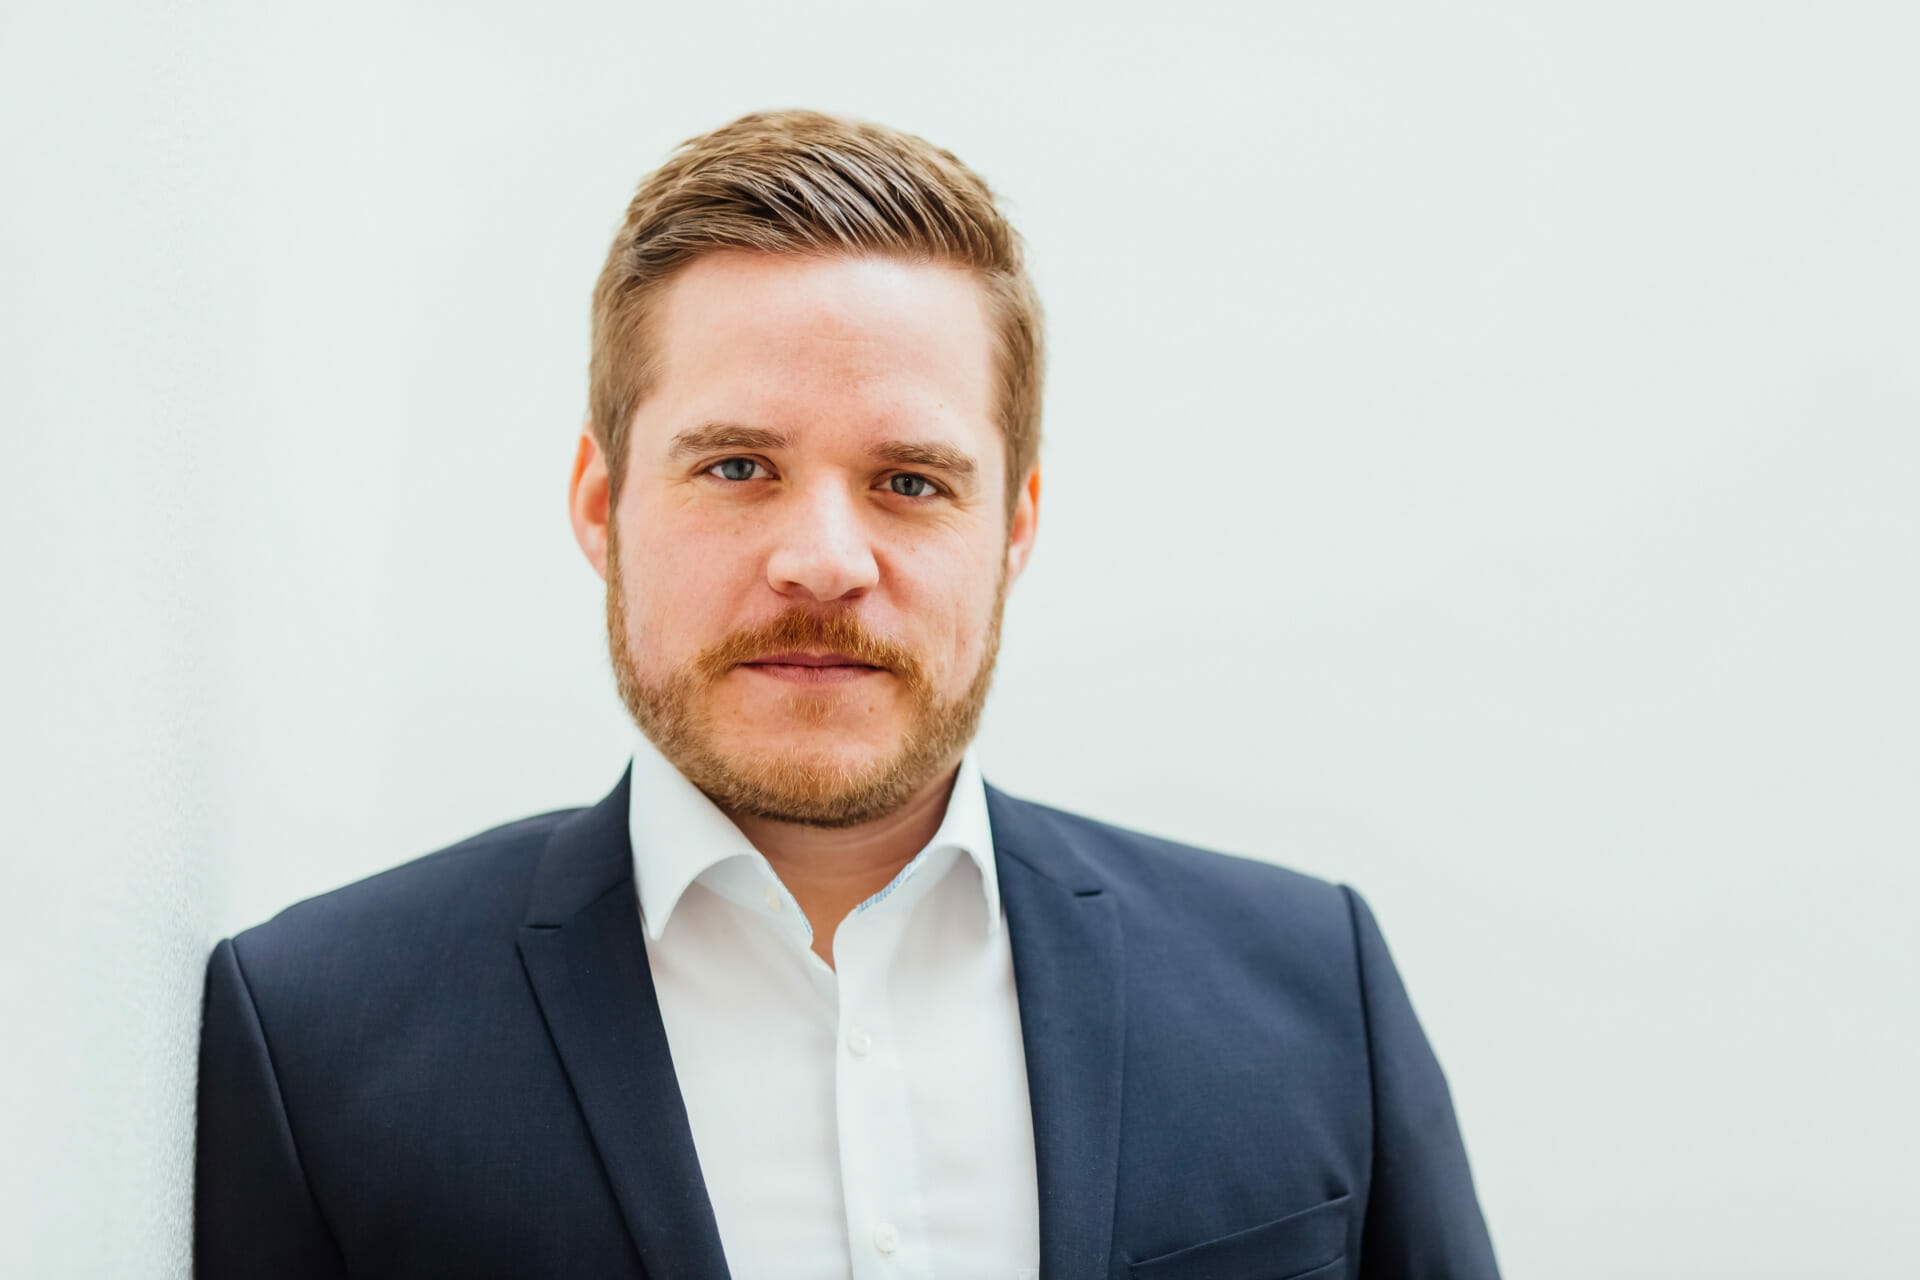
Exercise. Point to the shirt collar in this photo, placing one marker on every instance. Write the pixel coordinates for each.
(679, 835)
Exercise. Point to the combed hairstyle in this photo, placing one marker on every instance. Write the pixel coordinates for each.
(803, 182)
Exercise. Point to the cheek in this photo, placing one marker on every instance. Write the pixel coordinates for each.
(682, 588)
(952, 602)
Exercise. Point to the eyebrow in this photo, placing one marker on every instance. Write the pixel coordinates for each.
(934, 457)
(711, 436)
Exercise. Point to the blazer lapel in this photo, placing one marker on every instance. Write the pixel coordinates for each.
(1064, 931)
(585, 955)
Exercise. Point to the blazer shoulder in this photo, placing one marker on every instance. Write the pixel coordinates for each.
(1273, 937)
(474, 885)
(1180, 879)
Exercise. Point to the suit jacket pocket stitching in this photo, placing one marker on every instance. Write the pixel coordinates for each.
(1296, 1244)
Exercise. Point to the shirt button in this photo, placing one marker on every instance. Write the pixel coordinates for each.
(859, 1044)
(772, 896)
(885, 1238)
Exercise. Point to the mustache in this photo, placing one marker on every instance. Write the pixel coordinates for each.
(800, 629)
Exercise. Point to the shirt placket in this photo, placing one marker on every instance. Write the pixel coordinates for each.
(879, 1160)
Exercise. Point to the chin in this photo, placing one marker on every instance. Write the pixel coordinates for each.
(806, 719)
(821, 750)
(823, 787)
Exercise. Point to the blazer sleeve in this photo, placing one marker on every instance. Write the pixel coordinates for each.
(1423, 1220)
(254, 1214)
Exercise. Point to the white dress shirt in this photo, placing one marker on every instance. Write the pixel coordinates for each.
(868, 1119)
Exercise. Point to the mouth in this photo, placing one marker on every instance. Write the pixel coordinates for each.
(812, 668)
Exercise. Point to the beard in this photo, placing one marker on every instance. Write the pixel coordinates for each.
(794, 786)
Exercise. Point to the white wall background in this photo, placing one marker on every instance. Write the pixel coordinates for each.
(1483, 446)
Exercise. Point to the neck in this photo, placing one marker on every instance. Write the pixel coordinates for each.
(831, 870)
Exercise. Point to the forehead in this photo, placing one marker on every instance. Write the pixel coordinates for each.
(750, 335)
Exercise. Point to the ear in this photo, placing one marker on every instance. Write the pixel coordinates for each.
(1026, 523)
(587, 501)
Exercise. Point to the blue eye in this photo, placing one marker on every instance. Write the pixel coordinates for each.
(735, 468)
(911, 486)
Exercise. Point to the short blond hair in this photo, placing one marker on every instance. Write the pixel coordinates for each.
(809, 183)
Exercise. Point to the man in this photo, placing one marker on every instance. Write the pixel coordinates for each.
(803, 996)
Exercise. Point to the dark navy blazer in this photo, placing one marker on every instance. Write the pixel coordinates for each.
(457, 1068)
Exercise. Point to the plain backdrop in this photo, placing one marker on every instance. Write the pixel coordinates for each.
(1482, 450)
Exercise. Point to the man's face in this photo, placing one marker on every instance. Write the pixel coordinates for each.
(806, 570)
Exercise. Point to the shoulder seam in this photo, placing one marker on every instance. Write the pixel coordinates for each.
(1366, 1026)
(280, 1101)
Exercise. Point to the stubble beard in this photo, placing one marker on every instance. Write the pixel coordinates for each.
(676, 715)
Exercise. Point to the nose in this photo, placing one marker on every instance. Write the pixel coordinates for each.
(821, 551)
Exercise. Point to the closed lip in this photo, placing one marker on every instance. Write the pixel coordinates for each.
(809, 660)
